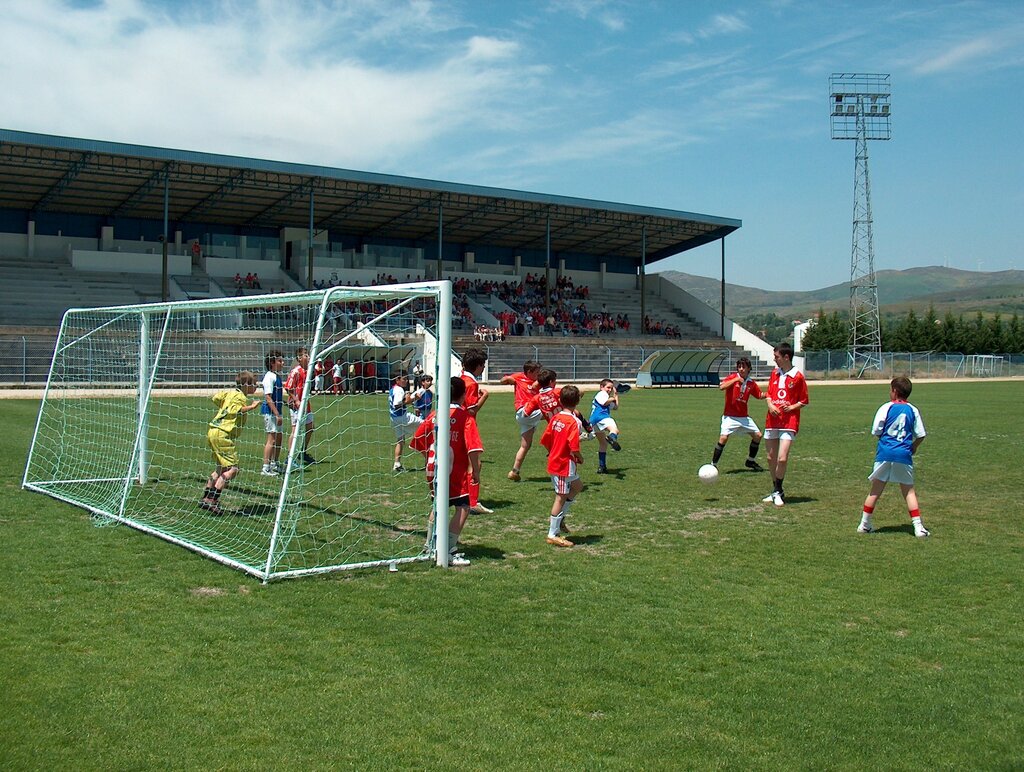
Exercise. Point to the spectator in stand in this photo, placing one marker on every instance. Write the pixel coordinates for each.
(197, 251)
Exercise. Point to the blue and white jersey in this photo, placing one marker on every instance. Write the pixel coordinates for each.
(897, 425)
(272, 385)
(396, 401)
(599, 409)
(425, 402)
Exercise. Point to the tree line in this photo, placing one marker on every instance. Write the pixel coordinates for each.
(980, 335)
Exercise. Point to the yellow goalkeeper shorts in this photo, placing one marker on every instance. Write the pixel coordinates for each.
(223, 448)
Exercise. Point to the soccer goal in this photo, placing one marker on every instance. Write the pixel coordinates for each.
(122, 428)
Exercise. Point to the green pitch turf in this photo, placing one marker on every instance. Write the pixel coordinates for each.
(692, 626)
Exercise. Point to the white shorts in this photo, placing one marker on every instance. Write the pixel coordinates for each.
(607, 425)
(893, 471)
(405, 425)
(731, 425)
(270, 424)
(779, 434)
(528, 422)
(563, 484)
(295, 417)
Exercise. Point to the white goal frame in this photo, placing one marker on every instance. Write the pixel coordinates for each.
(153, 321)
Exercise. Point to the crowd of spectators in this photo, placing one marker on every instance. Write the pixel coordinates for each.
(566, 312)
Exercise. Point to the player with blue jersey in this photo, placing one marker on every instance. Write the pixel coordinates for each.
(900, 431)
(403, 421)
(271, 409)
(605, 401)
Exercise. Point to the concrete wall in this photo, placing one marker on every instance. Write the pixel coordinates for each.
(229, 266)
(709, 317)
(129, 262)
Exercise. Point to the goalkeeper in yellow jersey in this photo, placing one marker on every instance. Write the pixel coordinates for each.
(232, 406)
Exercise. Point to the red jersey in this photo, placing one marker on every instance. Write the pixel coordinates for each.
(472, 390)
(562, 439)
(786, 389)
(463, 439)
(737, 394)
(523, 390)
(294, 384)
(546, 401)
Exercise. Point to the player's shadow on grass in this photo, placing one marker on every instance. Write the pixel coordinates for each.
(482, 552)
(496, 504)
(901, 529)
(744, 470)
(581, 540)
(254, 510)
(799, 499)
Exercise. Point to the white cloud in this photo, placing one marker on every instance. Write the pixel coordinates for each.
(304, 82)
(962, 54)
(723, 24)
(600, 10)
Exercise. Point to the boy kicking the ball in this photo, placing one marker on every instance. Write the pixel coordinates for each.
(605, 401)
(900, 432)
(739, 388)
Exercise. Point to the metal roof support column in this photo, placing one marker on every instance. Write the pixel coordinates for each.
(643, 276)
(309, 255)
(440, 237)
(722, 306)
(164, 279)
(547, 273)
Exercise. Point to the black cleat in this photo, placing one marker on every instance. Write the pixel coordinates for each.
(615, 444)
(752, 464)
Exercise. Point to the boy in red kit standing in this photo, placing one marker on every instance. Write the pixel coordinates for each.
(466, 448)
(787, 395)
(473, 362)
(562, 439)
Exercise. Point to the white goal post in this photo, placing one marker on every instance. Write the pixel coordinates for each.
(122, 427)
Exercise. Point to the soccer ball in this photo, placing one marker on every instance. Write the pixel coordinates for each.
(708, 474)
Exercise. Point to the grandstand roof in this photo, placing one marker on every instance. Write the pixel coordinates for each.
(40, 172)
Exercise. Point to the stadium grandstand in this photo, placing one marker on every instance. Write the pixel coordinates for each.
(93, 223)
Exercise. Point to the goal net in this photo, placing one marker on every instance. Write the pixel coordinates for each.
(122, 428)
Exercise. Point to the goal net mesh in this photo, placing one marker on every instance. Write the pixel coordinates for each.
(122, 429)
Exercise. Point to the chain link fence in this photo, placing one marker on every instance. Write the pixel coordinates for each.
(25, 361)
(835, 365)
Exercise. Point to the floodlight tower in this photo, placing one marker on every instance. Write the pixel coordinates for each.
(859, 105)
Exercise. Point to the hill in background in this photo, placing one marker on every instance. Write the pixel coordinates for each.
(948, 289)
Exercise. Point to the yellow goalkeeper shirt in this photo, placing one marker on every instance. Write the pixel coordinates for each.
(229, 419)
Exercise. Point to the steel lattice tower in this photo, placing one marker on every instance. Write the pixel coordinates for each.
(860, 106)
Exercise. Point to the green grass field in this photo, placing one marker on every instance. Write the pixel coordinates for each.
(691, 627)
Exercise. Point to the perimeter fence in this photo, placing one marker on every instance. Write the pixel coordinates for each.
(25, 361)
(835, 365)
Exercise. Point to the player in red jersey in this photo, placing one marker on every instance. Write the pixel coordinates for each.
(562, 439)
(473, 362)
(294, 385)
(787, 395)
(545, 403)
(466, 448)
(739, 387)
(526, 387)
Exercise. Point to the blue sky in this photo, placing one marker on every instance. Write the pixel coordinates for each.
(711, 107)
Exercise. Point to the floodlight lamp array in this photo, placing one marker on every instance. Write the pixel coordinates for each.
(859, 106)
